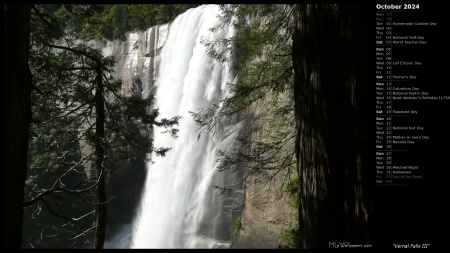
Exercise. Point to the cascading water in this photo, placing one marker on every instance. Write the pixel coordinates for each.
(177, 193)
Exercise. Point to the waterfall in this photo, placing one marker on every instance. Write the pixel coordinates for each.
(178, 194)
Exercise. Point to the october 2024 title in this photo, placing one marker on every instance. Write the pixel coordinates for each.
(397, 6)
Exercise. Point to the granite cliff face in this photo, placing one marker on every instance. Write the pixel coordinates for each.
(266, 212)
(137, 58)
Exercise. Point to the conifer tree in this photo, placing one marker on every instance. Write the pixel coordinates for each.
(82, 135)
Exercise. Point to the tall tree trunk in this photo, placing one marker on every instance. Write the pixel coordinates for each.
(331, 107)
(100, 161)
(17, 117)
(100, 152)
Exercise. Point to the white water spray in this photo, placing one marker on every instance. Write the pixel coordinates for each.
(177, 185)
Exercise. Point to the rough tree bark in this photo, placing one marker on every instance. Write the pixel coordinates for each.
(332, 99)
(17, 117)
(100, 160)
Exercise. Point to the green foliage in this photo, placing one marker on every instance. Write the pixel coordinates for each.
(292, 189)
(290, 238)
(51, 8)
(260, 54)
(113, 21)
(237, 225)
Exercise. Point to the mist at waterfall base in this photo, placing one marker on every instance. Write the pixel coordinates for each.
(179, 206)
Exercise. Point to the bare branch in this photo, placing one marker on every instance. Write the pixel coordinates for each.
(59, 189)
